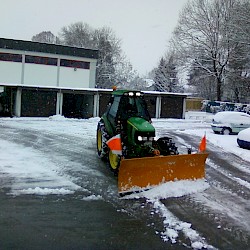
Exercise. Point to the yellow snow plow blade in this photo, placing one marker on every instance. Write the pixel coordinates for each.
(143, 173)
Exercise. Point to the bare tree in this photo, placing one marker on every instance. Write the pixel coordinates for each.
(125, 74)
(46, 37)
(77, 34)
(203, 84)
(202, 38)
(111, 58)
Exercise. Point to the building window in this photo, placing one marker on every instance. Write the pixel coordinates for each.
(74, 64)
(10, 57)
(41, 60)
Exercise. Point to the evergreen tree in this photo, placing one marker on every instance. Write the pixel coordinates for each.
(165, 75)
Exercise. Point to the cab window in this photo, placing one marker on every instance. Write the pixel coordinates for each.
(114, 107)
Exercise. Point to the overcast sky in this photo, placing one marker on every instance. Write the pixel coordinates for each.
(144, 26)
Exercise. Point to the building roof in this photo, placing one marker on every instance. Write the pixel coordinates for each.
(47, 48)
(103, 91)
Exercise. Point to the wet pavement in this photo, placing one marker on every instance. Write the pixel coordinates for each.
(55, 222)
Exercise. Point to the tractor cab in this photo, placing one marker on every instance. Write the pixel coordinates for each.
(126, 104)
(132, 104)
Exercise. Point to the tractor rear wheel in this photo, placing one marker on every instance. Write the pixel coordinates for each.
(101, 138)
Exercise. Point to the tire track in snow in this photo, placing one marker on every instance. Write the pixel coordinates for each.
(174, 226)
(222, 177)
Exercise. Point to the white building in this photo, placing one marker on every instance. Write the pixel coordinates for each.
(28, 66)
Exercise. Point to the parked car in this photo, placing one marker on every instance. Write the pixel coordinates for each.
(230, 122)
(243, 138)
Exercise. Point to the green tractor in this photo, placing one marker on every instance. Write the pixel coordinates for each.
(140, 156)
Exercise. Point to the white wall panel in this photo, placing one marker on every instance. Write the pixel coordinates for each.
(74, 78)
(42, 75)
(10, 72)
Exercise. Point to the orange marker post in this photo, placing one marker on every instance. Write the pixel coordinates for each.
(203, 144)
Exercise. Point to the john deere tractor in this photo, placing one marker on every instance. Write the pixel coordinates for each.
(142, 160)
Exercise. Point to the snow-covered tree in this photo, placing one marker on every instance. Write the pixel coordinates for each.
(165, 75)
(46, 37)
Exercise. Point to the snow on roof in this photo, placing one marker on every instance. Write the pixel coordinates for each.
(86, 89)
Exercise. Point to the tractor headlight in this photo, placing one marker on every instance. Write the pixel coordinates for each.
(142, 138)
(145, 138)
(130, 93)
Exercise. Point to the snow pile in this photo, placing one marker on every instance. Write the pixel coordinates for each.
(56, 124)
(57, 118)
(172, 189)
(44, 191)
(92, 198)
(31, 172)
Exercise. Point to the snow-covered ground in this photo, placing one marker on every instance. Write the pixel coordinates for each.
(43, 177)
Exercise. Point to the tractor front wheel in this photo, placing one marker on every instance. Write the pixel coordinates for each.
(114, 162)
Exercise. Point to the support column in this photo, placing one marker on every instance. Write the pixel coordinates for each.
(59, 103)
(96, 105)
(23, 69)
(158, 107)
(18, 102)
(58, 73)
(184, 108)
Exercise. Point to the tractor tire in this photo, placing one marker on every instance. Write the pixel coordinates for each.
(114, 162)
(101, 139)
